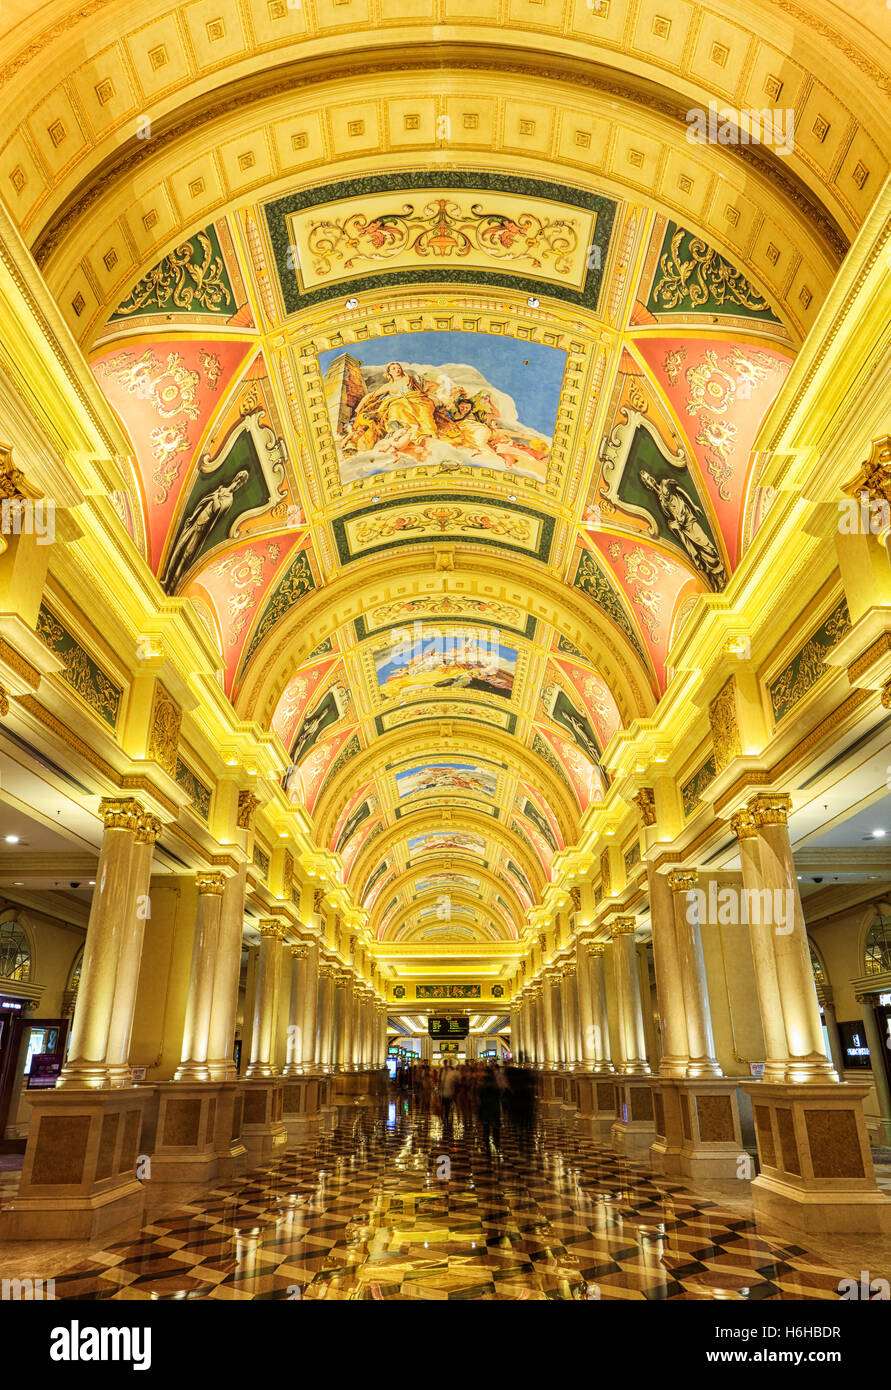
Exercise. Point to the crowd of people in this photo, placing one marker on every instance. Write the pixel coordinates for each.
(476, 1092)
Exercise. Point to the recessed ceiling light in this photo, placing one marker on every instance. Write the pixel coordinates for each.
(14, 839)
(532, 302)
(352, 303)
(92, 883)
(876, 834)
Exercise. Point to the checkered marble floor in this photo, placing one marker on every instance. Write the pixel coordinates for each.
(387, 1206)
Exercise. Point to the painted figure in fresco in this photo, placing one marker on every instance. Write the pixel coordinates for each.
(681, 512)
(407, 411)
(198, 526)
(402, 408)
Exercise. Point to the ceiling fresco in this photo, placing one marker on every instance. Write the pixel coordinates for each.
(444, 463)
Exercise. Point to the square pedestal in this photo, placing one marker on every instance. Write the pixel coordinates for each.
(350, 1087)
(698, 1129)
(262, 1130)
(569, 1098)
(550, 1092)
(80, 1176)
(301, 1102)
(816, 1168)
(228, 1143)
(634, 1128)
(596, 1094)
(180, 1132)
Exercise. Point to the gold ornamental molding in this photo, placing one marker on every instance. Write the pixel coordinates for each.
(210, 884)
(874, 477)
(247, 805)
(622, 926)
(682, 880)
(645, 802)
(120, 813)
(724, 723)
(880, 647)
(770, 810)
(743, 825)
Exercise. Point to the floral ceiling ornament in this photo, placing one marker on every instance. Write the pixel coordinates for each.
(169, 387)
(441, 229)
(179, 278)
(704, 276)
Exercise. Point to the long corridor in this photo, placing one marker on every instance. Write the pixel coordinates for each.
(383, 1204)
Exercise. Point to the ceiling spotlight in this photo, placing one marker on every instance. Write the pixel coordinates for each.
(511, 497)
(14, 839)
(352, 303)
(876, 835)
(532, 302)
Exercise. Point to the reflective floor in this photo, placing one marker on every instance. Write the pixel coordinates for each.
(385, 1204)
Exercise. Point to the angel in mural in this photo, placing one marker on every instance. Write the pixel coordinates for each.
(681, 512)
(198, 526)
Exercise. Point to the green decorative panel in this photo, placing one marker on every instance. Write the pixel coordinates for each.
(693, 788)
(544, 750)
(295, 584)
(598, 893)
(81, 672)
(261, 859)
(569, 648)
(322, 649)
(402, 186)
(447, 991)
(591, 580)
(632, 857)
(808, 664)
(192, 279)
(197, 792)
(693, 278)
(349, 750)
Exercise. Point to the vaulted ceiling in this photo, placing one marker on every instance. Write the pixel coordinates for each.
(442, 368)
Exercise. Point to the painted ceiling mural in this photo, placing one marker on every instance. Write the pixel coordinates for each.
(292, 444)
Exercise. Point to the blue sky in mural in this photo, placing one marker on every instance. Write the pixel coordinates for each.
(502, 361)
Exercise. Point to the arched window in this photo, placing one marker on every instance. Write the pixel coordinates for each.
(15, 953)
(877, 947)
(816, 966)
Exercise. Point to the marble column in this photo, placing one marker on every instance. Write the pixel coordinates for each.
(806, 1058)
(826, 999)
(120, 1028)
(342, 1028)
(310, 1009)
(296, 1044)
(110, 918)
(632, 1039)
(570, 998)
(324, 1039)
(262, 1063)
(224, 1008)
(669, 978)
(602, 1060)
(701, 1060)
(196, 1032)
(761, 938)
(550, 1053)
(876, 1047)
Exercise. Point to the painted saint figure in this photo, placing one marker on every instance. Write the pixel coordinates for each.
(198, 526)
(681, 512)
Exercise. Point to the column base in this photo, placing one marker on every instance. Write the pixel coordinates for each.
(698, 1129)
(358, 1087)
(180, 1132)
(228, 1144)
(80, 1175)
(634, 1128)
(596, 1111)
(262, 1131)
(816, 1167)
(301, 1103)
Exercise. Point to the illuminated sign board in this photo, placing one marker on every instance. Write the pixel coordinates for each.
(854, 1046)
(448, 1027)
(16, 1005)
